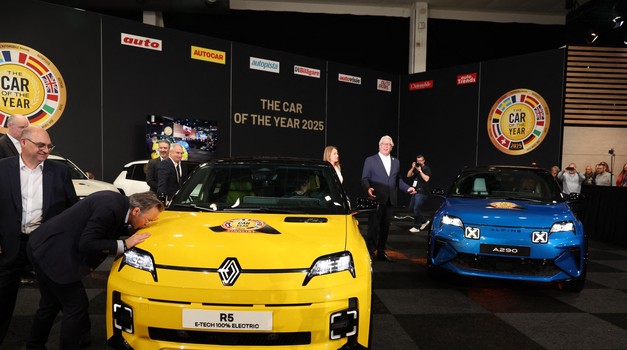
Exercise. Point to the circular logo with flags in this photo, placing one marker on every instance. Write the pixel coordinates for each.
(518, 121)
(31, 85)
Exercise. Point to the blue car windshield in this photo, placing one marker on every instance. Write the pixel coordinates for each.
(262, 186)
(507, 183)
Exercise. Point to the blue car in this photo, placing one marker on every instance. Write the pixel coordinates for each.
(508, 222)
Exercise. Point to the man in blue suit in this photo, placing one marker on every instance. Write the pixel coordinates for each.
(381, 178)
(32, 190)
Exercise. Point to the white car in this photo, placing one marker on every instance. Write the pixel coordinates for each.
(132, 179)
(82, 184)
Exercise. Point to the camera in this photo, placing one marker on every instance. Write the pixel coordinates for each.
(611, 151)
(570, 168)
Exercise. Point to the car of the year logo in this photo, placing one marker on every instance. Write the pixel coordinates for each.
(508, 222)
(250, 253)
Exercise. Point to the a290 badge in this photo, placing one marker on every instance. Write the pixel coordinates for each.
(31, 85)
(518, 121)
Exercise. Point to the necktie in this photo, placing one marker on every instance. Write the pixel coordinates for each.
(178, 173)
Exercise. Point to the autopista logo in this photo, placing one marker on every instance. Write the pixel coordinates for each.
(31, 85)
(518, 122)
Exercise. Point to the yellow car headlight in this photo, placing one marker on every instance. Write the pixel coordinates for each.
(139, 259)
(332, 263)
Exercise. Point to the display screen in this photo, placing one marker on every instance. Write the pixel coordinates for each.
(198, 137)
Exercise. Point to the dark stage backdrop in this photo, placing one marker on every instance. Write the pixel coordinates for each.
(278, 103)
(362, 107)
(117, 72)
(541, 87)
(70, 39)
(188, 78)
(453, 116)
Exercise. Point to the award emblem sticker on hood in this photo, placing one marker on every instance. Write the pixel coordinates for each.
(244, 225)
(504, 205)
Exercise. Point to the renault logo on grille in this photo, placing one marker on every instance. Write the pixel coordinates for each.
(229, 271)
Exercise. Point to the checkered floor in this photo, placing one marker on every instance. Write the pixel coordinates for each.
(412, 312)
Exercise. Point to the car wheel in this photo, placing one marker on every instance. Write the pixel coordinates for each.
(574, 286)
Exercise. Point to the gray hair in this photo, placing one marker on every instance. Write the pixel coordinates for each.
(386, 138)
(145, 201)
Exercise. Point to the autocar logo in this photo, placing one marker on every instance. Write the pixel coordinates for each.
(472, 232)
(229, 271)
(540, 237)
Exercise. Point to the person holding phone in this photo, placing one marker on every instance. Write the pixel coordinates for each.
(571, 179)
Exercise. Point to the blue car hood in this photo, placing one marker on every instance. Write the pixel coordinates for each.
(513, 213)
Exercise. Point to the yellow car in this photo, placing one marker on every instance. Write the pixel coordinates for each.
(251, 253)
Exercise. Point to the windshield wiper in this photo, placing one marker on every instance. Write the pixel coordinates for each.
(193, 206)
(264, 210)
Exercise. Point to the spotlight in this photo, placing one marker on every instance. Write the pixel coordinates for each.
(618, 22)
(592, 37)
(611, 151)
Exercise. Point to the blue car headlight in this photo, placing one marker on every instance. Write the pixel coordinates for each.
(332, 263)
(563, 226)
(452, 220)
(139, 259)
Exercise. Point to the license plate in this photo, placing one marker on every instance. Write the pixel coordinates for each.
(227, 320)
(505, 250)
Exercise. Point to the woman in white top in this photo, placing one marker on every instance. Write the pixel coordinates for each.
(332, 156)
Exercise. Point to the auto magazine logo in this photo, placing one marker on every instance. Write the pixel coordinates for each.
(204, 54)
(421, 85)
(140, 41)
(384, 85)
(465, 79)
(265, 65)
(31, 85)
(518, 122)
(308, 72)
(349, 79)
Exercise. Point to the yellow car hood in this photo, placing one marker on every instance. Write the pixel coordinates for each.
(266, 241)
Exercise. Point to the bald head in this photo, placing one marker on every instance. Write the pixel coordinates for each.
(36, 145)
(16, 123)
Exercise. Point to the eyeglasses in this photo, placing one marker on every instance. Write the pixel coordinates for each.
(41, 145)
(148, 221)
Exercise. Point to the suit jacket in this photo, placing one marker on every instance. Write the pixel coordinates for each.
(385, 187)
(152, 172)
(7, 148)
(168, 184)
(68, 246)
(58, 194)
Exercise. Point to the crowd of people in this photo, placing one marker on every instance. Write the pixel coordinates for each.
(571, 180)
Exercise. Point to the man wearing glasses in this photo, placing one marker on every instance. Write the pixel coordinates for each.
(68, 247)
(32, 191)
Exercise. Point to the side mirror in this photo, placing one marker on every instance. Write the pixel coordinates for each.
(438, 192)
(365, 205)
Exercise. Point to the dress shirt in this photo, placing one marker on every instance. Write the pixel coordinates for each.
(16, 143)
(387, 162)
(31, 181)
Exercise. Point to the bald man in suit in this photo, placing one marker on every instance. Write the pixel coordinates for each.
(10, 143)
(32, 190)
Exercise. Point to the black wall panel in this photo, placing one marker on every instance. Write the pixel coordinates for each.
(541, 72)
(139, 82)
(440, 122)
(358, 115)
(274, 110)
(71, 42)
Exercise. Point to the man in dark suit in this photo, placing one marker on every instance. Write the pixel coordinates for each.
(381, 179)
(66, 248)
(10, 143)
(32, 190)
(171, 173)
(152, 168)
